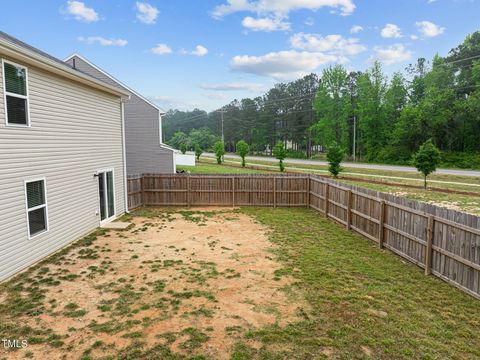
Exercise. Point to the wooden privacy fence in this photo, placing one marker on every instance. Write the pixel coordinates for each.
(444, 242)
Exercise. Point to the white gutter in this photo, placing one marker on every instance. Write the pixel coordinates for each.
(124, 156)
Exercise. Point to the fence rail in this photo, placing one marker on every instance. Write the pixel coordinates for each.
(444, 242)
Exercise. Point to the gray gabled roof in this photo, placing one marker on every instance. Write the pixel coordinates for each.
(32, 52)
(115, 80)
(24, 45)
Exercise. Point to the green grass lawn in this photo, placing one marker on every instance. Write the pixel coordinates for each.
(353, 300)
(365, 302)
(467, 203)
(466, 183)
(213, 168)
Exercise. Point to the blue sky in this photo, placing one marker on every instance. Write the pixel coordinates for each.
(205, 53)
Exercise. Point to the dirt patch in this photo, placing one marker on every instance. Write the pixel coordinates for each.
(190, 282)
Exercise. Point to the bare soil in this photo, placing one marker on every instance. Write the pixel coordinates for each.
(192, 281)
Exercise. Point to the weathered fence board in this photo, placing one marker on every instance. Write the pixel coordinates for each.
(444, 242)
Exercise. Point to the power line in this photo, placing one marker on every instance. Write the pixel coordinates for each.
(271, 102)
(226, 110)
(465, 59)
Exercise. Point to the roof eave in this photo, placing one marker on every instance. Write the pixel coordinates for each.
(29, 57)
(161, 112)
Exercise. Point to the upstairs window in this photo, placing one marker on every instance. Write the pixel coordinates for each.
(37, 215)
(16, 94)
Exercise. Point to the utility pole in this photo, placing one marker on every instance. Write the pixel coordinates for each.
(221, 111)
(354, 138)
(223, 136)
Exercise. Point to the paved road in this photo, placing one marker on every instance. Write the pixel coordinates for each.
(356, 165)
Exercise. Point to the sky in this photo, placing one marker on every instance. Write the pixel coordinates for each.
(205, 53)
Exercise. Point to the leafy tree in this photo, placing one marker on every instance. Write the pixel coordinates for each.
(335, 156)
(427, 159)
(372, 87)
(219, 150)
(178, 139)
(280, 153)
(436, 99)
(184, 121)
(198, 151)
(183, 148)
(242, 150)
(333, 107)
(203, 137)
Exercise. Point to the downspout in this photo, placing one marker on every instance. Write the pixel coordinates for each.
(124, 155)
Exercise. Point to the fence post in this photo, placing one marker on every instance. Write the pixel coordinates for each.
(142, 189)
(428, 250)
(274, 192)
(233, 191)
(349, 209)
(327, 190)
(188, 191)
(308, 191)
(381, 227)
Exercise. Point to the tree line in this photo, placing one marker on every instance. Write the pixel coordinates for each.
(370, 116)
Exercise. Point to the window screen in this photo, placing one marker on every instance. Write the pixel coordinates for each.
(15, 81)
(36, 207)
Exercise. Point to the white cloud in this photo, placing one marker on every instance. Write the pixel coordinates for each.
(280, 7)
(200, 51)
(169, 102)
(146, 13)
(282, 65)
(414, 37)
(81, 12)
(355, 29)
(234, 86)
(391, 31)
(309, 21)
(102, 41)
(215, 96)
(429, 29)
(265, 24)
(161, 49)
(332, 44)
(391, 54)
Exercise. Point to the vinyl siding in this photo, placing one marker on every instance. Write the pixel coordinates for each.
(142, 140)
(75, 131)
(142, 130)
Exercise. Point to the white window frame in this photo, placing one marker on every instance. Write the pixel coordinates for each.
(111, 218)
(45, 206)
(25, 97)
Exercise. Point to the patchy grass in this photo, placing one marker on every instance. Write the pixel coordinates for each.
(166, 288)
(365, 301)
(311, 290)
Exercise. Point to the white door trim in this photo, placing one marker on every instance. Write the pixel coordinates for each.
(105, 171)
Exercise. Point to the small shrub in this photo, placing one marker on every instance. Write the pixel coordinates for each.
(280, 153)
(335, 156)
(198, 151)
(183, 148)
(426, 159)
(242, 150)
(219, 150)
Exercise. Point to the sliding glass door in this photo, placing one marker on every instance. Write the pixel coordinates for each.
(106, 193)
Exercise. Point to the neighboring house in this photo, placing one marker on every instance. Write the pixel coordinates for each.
(146, 152)
(62, 160)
